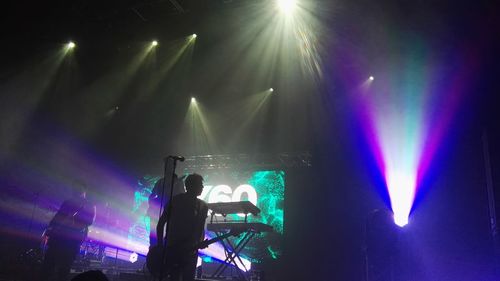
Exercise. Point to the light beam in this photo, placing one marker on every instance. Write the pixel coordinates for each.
(286, 6)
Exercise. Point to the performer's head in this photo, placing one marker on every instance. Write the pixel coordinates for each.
(91, 275)
(194, 184)
(79, 189)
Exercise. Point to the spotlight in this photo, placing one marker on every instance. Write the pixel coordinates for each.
(133, 257)
(271, 90)
(371, 78)
(154, 43)
(401, 186)
(194, 35)
(400, 221)
(193, 100)
(286, 6)
(71, 45)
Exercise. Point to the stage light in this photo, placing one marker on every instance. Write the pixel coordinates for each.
(197, 127)
(154, 43)
(271, 90)
(401, 187)
(371, 78)
(400, 220)
(71, 45)
(133, 257)
(286, 6)
(194, 35)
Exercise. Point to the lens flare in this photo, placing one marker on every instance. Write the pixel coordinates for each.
(286, 6)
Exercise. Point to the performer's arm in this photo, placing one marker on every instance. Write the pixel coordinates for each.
(201, 222)
(160, 227)
(61, 216)
(87, 215)
(95, 213)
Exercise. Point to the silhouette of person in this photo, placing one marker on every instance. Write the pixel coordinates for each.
(161, 190)
(66, 232)
(91, 275)
(186, 224)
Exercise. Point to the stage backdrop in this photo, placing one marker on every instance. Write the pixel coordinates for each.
(264, 188)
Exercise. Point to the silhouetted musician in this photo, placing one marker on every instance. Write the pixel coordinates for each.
(161, 190)
(66, 232)
(186, 224)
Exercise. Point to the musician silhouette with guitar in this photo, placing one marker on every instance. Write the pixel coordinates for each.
(66, 232)
(159, 198)
(185, 231)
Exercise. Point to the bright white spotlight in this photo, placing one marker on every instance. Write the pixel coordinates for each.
(133, 257)
(371, 78)
(71, 45)
(286, 6)
(400, 220)
(154, 43)
(194, 35)
(193, 100)
(401, 187)
(271, 90)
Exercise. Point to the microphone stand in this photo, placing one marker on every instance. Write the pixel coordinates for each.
(169, 210)
(35, 205)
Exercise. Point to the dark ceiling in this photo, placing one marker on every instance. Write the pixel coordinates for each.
(373, 31)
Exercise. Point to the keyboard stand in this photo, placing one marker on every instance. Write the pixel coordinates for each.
(247, 229)
(233, 255)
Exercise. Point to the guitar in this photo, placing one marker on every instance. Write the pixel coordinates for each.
(154, 258)
(71, 221)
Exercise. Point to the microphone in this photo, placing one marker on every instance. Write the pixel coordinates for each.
(178, 158)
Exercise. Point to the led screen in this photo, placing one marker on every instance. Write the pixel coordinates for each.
(263, 188)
